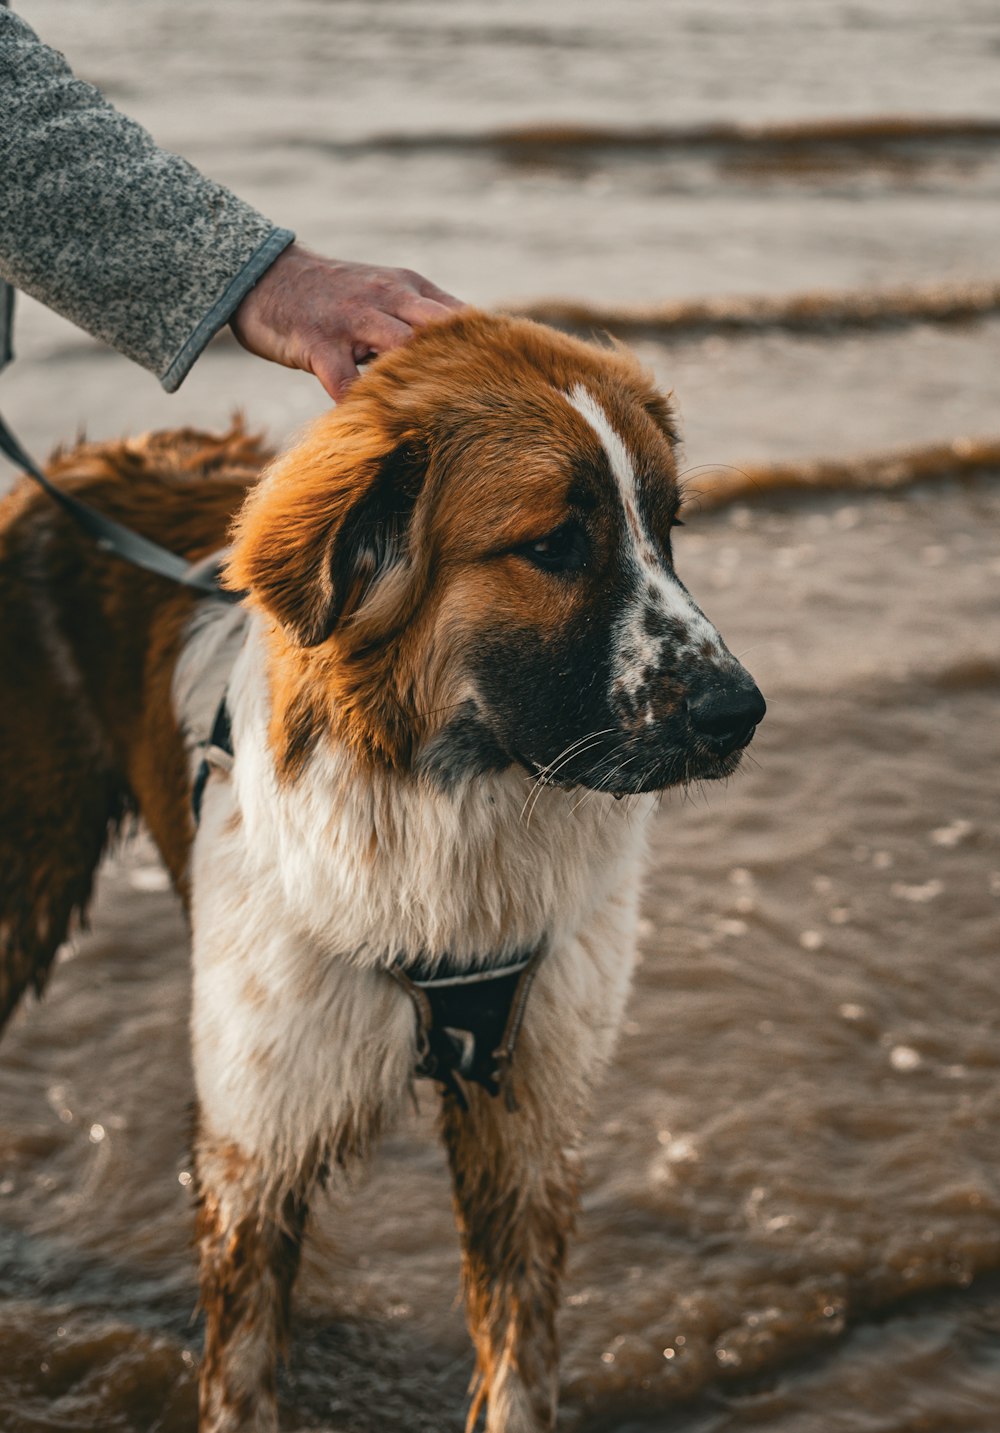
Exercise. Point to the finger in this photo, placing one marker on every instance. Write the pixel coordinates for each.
(335, 368)
(416, 310)
(439, 296)
(381, 332)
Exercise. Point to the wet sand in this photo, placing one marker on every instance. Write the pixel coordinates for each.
(790, 1218)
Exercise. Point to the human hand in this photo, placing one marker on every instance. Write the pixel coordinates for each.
(326, 315)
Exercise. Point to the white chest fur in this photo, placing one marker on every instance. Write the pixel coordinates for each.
(373, 864)
(303, 890)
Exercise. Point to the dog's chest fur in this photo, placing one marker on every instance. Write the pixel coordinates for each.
(375, 865)
(304, 890)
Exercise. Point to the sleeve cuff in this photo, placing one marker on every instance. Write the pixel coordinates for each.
(225, 306)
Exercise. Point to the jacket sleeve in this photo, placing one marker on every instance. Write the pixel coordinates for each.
(126, 240)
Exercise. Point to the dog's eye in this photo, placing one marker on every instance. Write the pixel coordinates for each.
(564, 550)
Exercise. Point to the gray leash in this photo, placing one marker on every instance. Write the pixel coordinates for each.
(113, 537)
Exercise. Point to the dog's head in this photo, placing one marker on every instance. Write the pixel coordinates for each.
(469, 564)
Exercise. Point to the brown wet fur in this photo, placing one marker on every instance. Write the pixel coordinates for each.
(515, 1196)
(87, 647)
(249, 1258)
(249, 1231)
(430, 433)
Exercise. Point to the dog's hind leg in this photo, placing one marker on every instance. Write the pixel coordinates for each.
(515, 1184)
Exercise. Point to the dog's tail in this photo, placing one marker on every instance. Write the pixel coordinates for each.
(49, 852)
(60, 794)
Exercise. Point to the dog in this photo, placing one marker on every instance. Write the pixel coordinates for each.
(461, 641)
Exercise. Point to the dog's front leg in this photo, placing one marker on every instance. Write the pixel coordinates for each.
(249, 1240)
(300, 1057)
(515, 1182)
(299, 1060)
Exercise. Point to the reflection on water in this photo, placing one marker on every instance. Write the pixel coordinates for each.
(790, 1219)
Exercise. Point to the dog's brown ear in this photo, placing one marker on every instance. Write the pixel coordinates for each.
(661, 410)
(327, 522)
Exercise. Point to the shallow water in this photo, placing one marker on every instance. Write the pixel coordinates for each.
(790, 1219)
(800, 1129)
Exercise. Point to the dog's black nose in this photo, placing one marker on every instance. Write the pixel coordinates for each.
(727, 716)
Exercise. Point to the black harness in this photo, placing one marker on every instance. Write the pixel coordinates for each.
(468, 1021)
(216, 753)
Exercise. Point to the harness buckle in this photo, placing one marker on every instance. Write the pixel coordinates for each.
(465, 1049)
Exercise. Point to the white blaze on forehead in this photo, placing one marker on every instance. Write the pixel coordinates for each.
(657, 591)
(618, 455)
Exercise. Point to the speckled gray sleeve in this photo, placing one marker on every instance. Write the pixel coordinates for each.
(126, 240)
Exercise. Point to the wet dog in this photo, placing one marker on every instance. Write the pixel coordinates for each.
(462, 640)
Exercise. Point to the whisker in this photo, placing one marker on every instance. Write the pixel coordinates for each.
(436, 711)
(592, 791)
(541, 782)
(570, 750)
(544, 775)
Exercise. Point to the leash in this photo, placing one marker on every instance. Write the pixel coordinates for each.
(120, 541)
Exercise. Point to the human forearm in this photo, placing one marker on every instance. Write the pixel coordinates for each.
(124, 239)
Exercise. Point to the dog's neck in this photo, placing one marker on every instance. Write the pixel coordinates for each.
(378, 864)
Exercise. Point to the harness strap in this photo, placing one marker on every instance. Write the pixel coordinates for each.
(113, 537)
(468, 1024)
(504, 1053)
(216, 752)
